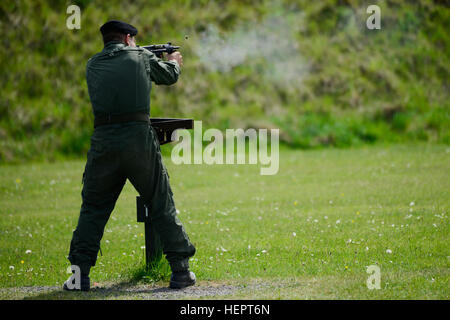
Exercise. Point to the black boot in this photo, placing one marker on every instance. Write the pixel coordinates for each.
(182, 279)
(85, 284)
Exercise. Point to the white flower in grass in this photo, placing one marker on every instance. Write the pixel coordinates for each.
(28, 252)
(294, 234)
(411, 204)
(389, 251)
(264, 251)
(11, 267)
(338, 221)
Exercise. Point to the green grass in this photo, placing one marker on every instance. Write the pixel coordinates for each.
(346, 208)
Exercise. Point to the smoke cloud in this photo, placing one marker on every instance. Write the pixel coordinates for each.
(270, 47)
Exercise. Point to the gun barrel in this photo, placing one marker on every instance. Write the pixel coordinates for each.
(158, 49)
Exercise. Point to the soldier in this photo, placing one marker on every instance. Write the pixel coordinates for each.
(124, 146)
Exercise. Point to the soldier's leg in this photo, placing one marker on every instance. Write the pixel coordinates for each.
(102, 184)
(148, 175)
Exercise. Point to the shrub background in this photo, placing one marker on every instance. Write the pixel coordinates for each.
(362, 86)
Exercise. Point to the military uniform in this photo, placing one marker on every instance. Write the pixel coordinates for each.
(119, 83)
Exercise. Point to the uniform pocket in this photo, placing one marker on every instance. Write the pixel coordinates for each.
(156, 139)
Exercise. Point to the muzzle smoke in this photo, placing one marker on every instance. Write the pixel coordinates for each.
(268, 47)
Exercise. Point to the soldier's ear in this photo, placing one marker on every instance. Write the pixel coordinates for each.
(128, 39)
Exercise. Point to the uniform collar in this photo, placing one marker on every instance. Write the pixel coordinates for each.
(113, 45)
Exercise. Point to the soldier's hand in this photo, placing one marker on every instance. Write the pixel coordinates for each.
(176, 56)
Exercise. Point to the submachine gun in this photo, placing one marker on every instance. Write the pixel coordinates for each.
(159, 49)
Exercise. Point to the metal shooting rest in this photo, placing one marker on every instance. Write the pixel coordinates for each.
(164, 127)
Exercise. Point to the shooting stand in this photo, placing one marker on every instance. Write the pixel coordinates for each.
(164, 127)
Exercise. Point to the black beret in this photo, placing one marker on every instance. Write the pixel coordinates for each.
(118, 26)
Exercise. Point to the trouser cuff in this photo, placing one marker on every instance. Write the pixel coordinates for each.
(178, 266)
(85, 267)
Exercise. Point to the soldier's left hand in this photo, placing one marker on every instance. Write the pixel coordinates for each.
(176, 56)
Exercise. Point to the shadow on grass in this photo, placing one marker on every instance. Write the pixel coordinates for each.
(122, 290)
(142, 280)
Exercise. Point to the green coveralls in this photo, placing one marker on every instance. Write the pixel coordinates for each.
(119, 82)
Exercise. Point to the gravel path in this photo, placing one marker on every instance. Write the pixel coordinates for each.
(121, 291)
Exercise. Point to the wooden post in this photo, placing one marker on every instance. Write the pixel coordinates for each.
(164, 128)
(153, 248)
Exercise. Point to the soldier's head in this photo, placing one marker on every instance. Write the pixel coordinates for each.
(115, 30)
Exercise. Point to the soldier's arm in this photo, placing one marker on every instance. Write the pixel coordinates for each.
(163, 72)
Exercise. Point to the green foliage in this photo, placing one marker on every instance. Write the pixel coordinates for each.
(158, 270)
(361, 86)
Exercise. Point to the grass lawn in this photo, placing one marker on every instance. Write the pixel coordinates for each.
(308, 232)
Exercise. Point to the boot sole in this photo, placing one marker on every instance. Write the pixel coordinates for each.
(180, 285)
(65, 288)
